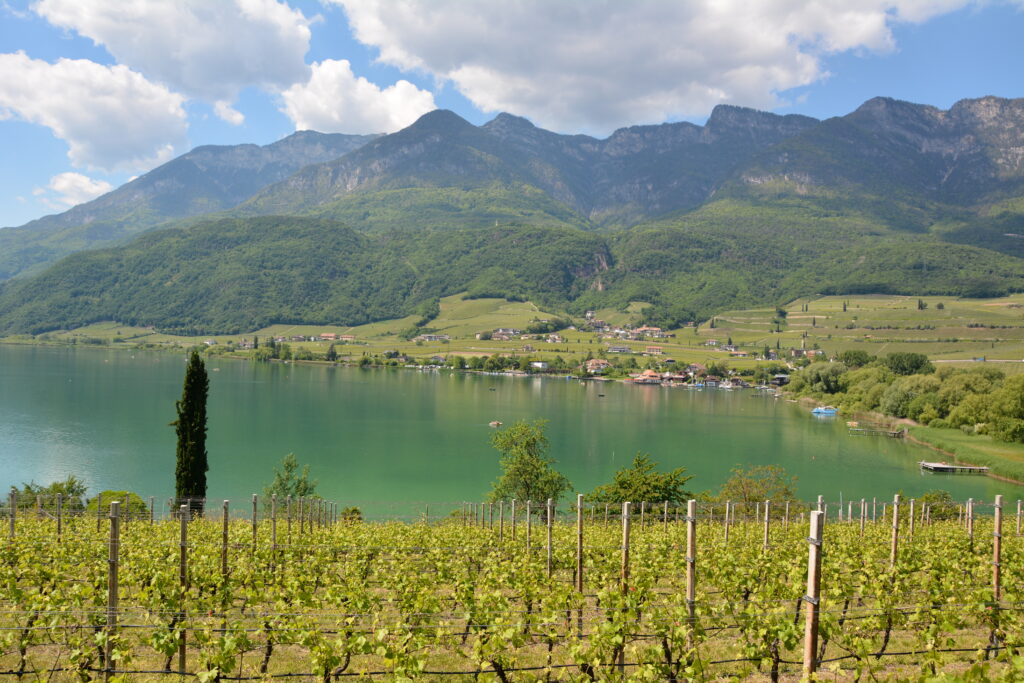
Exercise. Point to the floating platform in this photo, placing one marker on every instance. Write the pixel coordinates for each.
(867, 431)
(946, 468)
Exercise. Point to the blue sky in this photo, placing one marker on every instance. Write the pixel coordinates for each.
(94, 92)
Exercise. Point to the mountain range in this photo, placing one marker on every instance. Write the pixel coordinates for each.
(751, 207)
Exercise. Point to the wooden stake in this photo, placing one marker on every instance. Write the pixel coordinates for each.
(970, 520)
(60, 515)
(579, 542)
(501, 521)
(513, 519)
(183, 513)
(224, 540)
(113, 553)
(728, 504)
(643, 514)
(254, 519)
(550, 521)
(895, 530)
(874, 507)
(529, 529)
(785, 518)
(813, 597)
(152, 509)
(691, 567)
(664, 515)
(1018, 516)
(99, 509)
(863, 514)
(624, 574)
(273, 524)
(910, 520)
(13, 498)
(997, 547)
(767, 521)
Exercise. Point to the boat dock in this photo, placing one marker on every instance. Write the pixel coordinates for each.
(946, 468)
(866, 431)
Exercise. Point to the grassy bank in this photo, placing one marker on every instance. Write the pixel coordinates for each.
(1005, 460)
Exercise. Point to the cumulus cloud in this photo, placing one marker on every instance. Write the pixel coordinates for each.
(334, 100)
(110, 116)
(69, 189)
(598, 64)
(225, 111)
(202, 48)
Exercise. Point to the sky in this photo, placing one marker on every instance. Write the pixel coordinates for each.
(96, 92)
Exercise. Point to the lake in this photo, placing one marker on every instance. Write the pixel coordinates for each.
(387, 439)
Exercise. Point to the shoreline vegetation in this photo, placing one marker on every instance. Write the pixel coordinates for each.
(974, 344)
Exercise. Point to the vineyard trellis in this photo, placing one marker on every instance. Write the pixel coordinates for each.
(706, 591)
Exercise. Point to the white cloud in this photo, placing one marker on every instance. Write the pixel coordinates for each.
(334, 100)
(71, 189)
(209, 49)
(110, 116)
(598, 64)
(226, 112)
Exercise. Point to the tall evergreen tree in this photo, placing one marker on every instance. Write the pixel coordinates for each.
(190, 472)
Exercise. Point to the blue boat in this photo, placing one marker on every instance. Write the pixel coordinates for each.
(824, 410)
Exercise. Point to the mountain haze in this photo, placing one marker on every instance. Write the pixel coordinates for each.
(207, 179)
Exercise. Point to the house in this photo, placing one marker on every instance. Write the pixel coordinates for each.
(711, 381)
(298, 338)
(647, 331)
(329, 336)
(539, 365)
(779, 380)
(346, 337)
(554, 339)
(432, 337)
(738, 354)
(528, 348)
(619, 349)
(646, 377)
(653, 351)
(210, 342)
(696, 369)
(596, 366)
(509, 331)
(711, 342)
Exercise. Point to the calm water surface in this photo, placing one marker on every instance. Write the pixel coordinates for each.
(381, 438)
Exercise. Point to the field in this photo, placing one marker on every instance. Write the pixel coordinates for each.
(476, 596)
(960, 332)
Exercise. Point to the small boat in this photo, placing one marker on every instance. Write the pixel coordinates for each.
(824, 410)
(494, 423)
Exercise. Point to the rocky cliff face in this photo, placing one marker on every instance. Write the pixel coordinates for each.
(635, 173)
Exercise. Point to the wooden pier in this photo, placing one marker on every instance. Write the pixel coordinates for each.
(946, 468)
(865, 431)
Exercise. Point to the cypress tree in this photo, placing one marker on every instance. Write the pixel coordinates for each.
(190, 472)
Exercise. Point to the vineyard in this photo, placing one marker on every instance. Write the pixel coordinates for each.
(645, 592)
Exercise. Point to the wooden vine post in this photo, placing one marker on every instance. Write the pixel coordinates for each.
(13, 498)
(513, 519)
(624, 574)
(997, 547)
(550, 521)
(224, 540)
(691, 568)
(1018, 516)
(183, 512)
(273, 524)
(813, 597)
(99, 510)
(254, 516)
(728, 505)
(60, 514)
(529, 529)
(863, 514)
(970, 521)
(910, 521)
(895, 530)
(113, 553)
(785, 517)
(579, 560)
(152, 508)
(767, 522)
